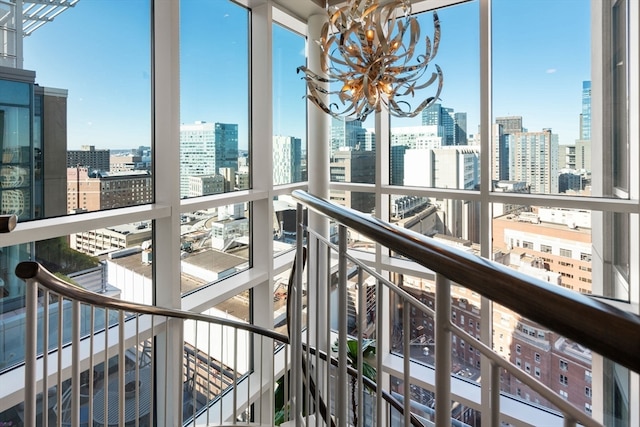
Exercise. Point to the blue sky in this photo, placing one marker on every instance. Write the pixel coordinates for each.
(99, 51)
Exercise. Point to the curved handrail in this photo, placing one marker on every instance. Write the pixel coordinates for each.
(611, 332)
(31, 270)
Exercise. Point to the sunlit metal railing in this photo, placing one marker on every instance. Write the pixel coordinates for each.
(110, 370)
(613, 333)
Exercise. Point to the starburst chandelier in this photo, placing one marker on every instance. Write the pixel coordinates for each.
(369, 53)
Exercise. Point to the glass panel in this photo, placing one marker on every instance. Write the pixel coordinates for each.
(553, 244)
(353, 145)
(69, 110)
(617, 409)
(280, 295)
(289, 108)
(214, 244)
(542, 96)
(214, 91)
(451, 221)
(426, 150)
(61, 414)
(559, 363)
(360, 201)
(568, 247)
(620, 96)
(215, 356)
(284, 224)
(113, 261)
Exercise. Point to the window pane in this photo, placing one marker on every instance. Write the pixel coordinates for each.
(560, 364)
(360, 201)
(214, 245)
(214, 104)
(542, 96)
(552, 244)
(450, 221)
(284, 224)
(69, 110)
(289, 108)
(113, 261)
(439, 147)
(620, 97)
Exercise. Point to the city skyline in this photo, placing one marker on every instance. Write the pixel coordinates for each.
(546, 91)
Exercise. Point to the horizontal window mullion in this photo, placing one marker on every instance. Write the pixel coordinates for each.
(223, 199)
(61, 226)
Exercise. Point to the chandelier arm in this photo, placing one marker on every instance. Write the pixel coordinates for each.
(364, 50)
(436, 34)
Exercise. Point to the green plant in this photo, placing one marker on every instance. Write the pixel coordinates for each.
(355, 350)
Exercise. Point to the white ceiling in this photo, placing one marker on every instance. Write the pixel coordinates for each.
(303, 9)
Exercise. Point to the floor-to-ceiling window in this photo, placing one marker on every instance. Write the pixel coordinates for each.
(214, 218)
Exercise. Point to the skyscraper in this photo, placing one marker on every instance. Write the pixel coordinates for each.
(205, 148)
(346, 133)
(444, 119)
(500, 154)
(460, 128)
(286, 155)
(534, 160)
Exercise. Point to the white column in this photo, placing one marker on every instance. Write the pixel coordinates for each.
(318, 152)
(262, 209)
(166, 149)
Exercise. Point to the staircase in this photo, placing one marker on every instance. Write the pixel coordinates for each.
(346, 360)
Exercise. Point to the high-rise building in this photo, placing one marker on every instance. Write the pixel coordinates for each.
(510, 124)
(446, 167)
(397, 164)
(443, 118)
(499, 154)
(585, 115)
(357, 166)
(204, 149)
(460, 128)
(286, 155)
(346, 133)
(87, 156)
(534, 160)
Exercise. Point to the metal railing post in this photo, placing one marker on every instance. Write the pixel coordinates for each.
(406, 345)
(443, 351)
(31, 341)
(495, 394)
(343, 378)
(296, 333)
(75, 372)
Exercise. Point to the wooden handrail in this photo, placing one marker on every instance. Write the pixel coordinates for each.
(606, 330)
(8, 223)
(33, 271)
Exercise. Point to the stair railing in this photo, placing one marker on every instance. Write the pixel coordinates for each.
(103, 362)
(613, 333)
